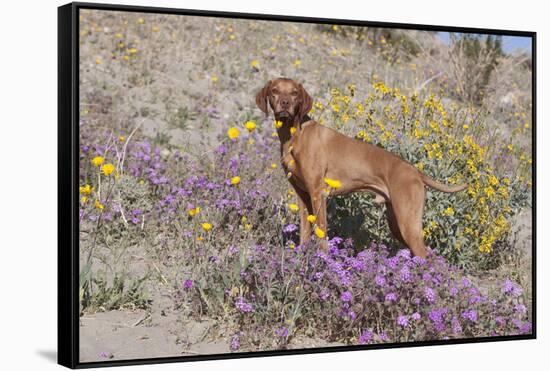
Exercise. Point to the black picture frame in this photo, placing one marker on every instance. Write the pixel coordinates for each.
(68, 194)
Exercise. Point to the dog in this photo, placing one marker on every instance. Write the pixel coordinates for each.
(322, 162)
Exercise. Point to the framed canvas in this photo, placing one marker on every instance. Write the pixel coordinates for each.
(242, 185)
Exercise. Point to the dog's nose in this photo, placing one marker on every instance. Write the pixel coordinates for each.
(285, 103)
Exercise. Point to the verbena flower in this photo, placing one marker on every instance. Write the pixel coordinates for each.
(188, 284)
(402, 321)
(470, 315)
(346, 296)
(242, 305)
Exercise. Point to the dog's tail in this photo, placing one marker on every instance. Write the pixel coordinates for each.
(443, 187)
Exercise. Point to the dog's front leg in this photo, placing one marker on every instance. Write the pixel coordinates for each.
(319, 204)
(304, 203)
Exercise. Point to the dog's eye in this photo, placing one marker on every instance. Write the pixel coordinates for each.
(275, 91)
(294, 93)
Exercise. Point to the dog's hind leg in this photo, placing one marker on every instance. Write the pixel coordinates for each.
(392, 223)
(408, 207)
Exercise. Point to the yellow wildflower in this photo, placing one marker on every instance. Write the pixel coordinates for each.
(98, 161)
(293, 207)
(206, 226)
(214, 79)
(449, 211)
(98, 205)
(255, 64)
(235, 180)
(333, 183)
(292, 130)
(233, 133)
(250, 126)
(85, 190)
(84, 199)
(194, 211)
(319, 232)
(107, 169)
(311, 218)
(278, 124)
(121, 138)
(273, 165)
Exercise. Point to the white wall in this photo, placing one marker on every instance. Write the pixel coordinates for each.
(28, 181)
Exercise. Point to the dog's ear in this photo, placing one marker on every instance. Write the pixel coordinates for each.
(261, 97)
(305, 101)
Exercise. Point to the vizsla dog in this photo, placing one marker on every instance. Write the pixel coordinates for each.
(316, 157)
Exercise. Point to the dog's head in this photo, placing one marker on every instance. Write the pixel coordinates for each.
(287, 98)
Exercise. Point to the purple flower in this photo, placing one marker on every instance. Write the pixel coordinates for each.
(289, 228)
(379, 280)
(511, 288)
(346, 296)
(453, 291)
(402, 321)
(415, 316)
(235, 342)
(324, 295)
(282, 332)
(457, 328)
(391, 297)
(104, 355)
(469, 315)
(520, 308)
(366, 337)
(188, 284)
(429, 294)
(242, 305)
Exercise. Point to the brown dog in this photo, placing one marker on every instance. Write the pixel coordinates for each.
(321, 161)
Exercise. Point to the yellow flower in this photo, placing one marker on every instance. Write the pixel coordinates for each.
(84, 199)
(121, 138)
(297, 63)
(311, 218)
(200, 238)
(319, 232)
(193, 212)
(98, 205)
(334, 27)
(278, 124)
(465, 126)
(274, 166)
(98, 61)
(86, 190)
(255, 64)
(333, 183)
(233, 133)
(250, 126)
(214, 79)
(107, 169)
(132, 50)
(206, 226)
(235, 180)
(449, 211)
(141, 20)
(155, 29)
(292, 130)
(420, 166)
(293, 207)
(98, 161)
